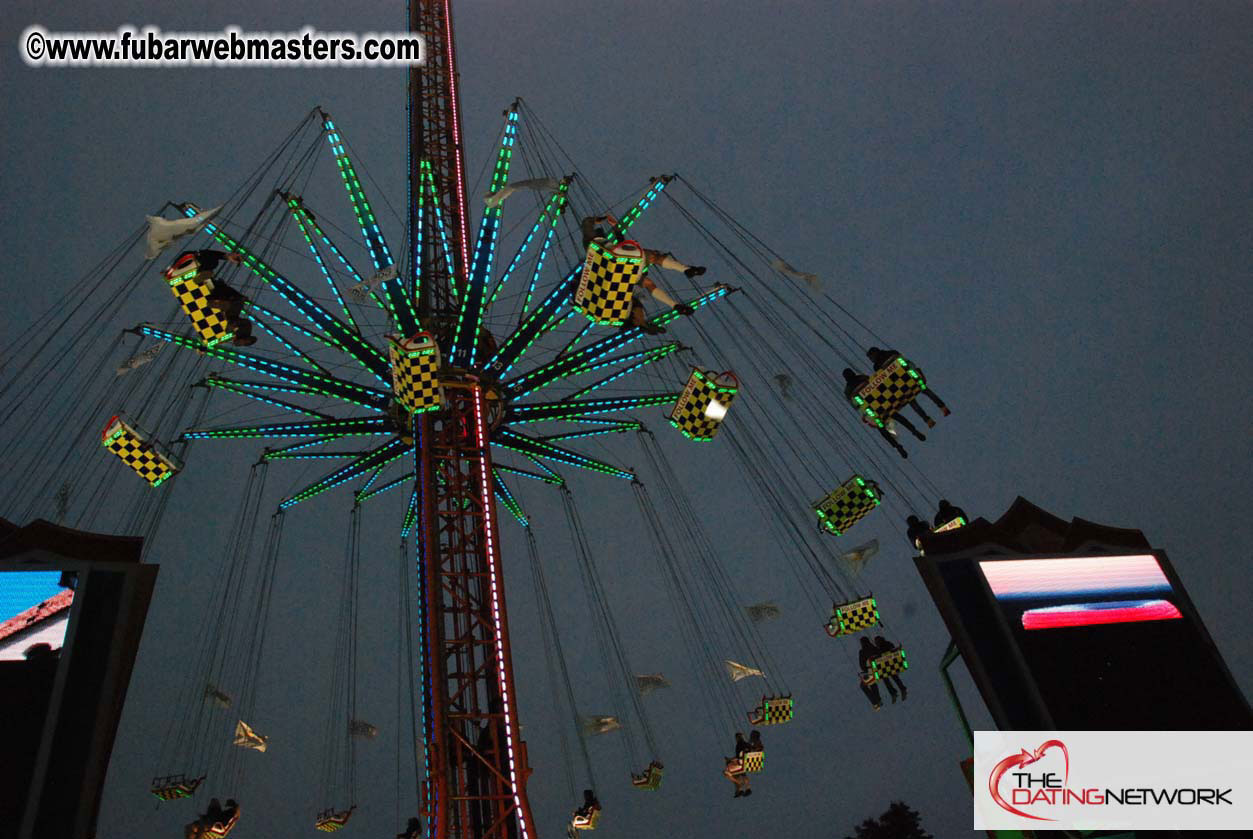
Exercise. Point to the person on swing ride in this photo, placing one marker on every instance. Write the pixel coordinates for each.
(734, 769)
(593, 233)
(882, 358)
(883, 645)
(948, 512)
(854, 382)
(869, 688)
(214, 815)
(223, 297)
(591, 805)
(413, 830)
(915, 529)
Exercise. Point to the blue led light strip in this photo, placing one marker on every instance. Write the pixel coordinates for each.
(374, 476)
(282, 339)
(474, 302)
(428, 178)
(244, 390)
(364, 496)
(356, 426)
(374, 240)
(310, 230)
(542, 320)
(371, 460)
(645, 358)
(548, 479)
(334, 329)
(283, 452)
(571, 435)
(326, 385)
(309, 455)
(537, 411)
(507, 438)
(506, 497)
(330, 245)
(552, 213)
(378, 404)
(560, 367)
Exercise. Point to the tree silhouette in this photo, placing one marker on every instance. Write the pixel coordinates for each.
(899, 821)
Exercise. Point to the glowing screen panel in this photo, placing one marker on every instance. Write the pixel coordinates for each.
(1080, 591)
(34, 610)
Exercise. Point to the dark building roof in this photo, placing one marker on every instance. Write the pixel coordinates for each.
(42, 535)
(1028, 529)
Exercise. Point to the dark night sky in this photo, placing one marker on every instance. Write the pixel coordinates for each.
(1047, 204)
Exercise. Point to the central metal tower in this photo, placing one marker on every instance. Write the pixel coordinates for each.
(476, 766)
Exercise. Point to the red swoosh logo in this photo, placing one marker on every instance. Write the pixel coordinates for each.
(1024, 758)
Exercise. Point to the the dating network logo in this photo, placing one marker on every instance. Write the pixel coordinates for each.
(1021, 791)
(1160, 780)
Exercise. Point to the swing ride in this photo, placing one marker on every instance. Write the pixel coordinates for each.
(451, 370)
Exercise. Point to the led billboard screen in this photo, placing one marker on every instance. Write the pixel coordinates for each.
(1084, 642)
(34, 611)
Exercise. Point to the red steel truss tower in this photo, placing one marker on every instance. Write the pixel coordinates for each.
(476, 766)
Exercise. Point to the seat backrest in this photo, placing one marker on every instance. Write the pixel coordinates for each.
(691, 413)
(607, 284)
(753, 761)
(889, 389)
(415, 372)
(847, 504)
(854, 616)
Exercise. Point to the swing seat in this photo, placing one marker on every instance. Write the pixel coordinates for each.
(847, 504)
(173, 787)
(704, 402)
(415, 372)
(330, 820)
(214, 830)
(888, 664)
(246, 738)
(853, 617)
(953, 524)
(650, 778)
(754, 761)
(607, 284)
(192, 287)
(889, 390)
(773, 710)
(586, 822)
(139, 452)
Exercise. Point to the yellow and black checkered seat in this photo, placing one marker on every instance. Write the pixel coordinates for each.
(649, 779)
(847, 504)
(415, 372)
(220, 830)
(853, 617)
(888, 664)
(330, 821)
(754, 761)
(588, 822)
(192, 288)
(704, 402)
(138, 452)
(607, 284)
(773, 710)
(889, 390)
(174, 787)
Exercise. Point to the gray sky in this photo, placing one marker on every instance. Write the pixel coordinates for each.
(1046, 205)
